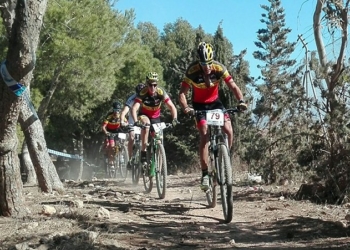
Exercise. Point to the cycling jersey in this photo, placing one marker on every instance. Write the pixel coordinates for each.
(112, 122)
(130, 100)
(202, 92)
(150, 105)
(129, 103)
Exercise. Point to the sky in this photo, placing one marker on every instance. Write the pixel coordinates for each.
(240, 20)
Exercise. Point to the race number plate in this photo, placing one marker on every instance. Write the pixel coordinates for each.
(137, 130)
(158, 126)
(215, 117)
(121, 135)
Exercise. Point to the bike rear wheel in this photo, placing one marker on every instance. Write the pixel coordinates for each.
(136, 166)
(211, 193)
(225, 181)
(123, 159)
(161, 171)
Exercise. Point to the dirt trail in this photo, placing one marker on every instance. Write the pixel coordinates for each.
(264, 218)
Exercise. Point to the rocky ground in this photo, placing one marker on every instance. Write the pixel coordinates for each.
(109, 214)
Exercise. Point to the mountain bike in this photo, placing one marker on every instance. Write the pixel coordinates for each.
(156, 161)
(220, 172)
(121, 157)
(135, 160)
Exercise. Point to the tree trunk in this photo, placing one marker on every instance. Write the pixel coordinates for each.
(22, 21)
(28, 166)
(81, 152)
(46, 173)
(11, 197)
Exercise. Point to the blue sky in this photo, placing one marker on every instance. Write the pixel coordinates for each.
(240, 19)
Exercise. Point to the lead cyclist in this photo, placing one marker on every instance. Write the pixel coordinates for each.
(203, 76)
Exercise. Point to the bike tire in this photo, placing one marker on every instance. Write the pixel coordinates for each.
(136, 166)
(147, 179)
(161, 171)
(225, 183)
(211, 193)
(123, 162)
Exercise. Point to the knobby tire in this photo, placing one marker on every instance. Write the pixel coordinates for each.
(225, 183)
(161, 171)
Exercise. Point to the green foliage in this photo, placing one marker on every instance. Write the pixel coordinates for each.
(282, 104)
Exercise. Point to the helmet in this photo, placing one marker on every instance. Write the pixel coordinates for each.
(152, 77)
(139, 87)
(205, 52)
(117, 106)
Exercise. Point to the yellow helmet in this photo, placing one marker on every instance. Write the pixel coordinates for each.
(205, 52)
(152, 77)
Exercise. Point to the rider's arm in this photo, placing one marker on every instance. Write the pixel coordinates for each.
(182, 96)
(104, 128)
(172, 108)
(235, 89)
(134, 110)
(124, 112)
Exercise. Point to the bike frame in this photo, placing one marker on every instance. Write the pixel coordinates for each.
(221, 169)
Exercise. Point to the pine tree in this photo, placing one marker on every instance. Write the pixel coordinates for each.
(279, 91)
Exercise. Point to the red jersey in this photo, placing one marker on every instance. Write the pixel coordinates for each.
(194, 78)
(150, 105)
(112, 122)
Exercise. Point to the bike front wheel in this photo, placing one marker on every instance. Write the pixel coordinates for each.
(225, 181)
(161, 171)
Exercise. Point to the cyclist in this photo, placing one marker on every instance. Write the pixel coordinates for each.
(149, 102)
(203, 76)
(127, 106)
(112, 124)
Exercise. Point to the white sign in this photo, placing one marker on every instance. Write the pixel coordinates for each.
(215, 117)
(137, 130)
(158, 126)
(121, 135)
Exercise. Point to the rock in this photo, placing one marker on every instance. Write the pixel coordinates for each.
(48, 210)
(103, 213)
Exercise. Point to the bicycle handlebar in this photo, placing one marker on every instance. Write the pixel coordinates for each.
(231, 111)
(143, 126)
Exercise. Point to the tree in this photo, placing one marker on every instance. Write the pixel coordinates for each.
(279, 92)
(334, 103)
(22, 21)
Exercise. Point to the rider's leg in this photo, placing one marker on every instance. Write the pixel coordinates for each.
(111, 149)
(203, 153)
(144, 138)
(131, 142)
(203, 146)
(130, 146)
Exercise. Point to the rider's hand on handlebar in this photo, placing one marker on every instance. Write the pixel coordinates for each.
(124, 124)
(107, 133)
(138, 123)
(175, 122)
(189, 111)
(242, 106)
